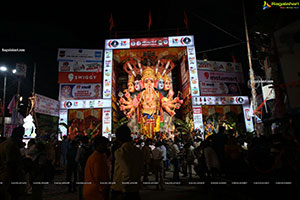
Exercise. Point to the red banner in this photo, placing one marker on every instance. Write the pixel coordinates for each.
(79, 77)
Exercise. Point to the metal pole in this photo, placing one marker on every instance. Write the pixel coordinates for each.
(4, 97)
(18, 93)
(251, 72)
(33, 81)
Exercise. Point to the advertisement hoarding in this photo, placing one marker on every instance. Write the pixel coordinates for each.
(45, 105)
(219, 89)
(212, 76)
(80, 91)
(87, 103)
(79, 77)
(66, 66)
(220, 100)
(83, 55)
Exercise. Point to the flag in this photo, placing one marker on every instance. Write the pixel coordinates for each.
(111, 22)
(233, 59)
(150, 20)
(12, 104)
(186, 22)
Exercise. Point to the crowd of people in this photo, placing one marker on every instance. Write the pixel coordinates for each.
(101, 169)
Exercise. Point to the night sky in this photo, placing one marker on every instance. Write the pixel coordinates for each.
(42, 29)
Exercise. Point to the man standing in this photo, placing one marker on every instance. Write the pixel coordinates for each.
(96, 172)
(158, 165)
(128, 167)
(11, 165)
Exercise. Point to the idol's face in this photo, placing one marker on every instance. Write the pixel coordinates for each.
(160, 85)
(137, 85)
(167, 85)
(131, 87)
(149, 83)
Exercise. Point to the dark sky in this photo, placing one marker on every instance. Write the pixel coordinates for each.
(42, 29)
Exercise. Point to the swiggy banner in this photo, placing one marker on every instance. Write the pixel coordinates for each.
(79, 77)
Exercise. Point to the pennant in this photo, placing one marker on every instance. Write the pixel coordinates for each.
(12, 105)
(186, 21)
(150, 20)
(233, 59)
(111, 22)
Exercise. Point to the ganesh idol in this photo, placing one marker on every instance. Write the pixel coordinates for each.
(149, 103)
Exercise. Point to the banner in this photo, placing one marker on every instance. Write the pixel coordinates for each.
(219, 66)
(107, 74)
(117, 44)
(63, 119)
(178, 41)
(80, 91)
(87, 103)
(149, 42)
(197, 116)
(219, 89)
(191, 56)
(83, 55)
(106, 122)
(220, 100)
(79, 77)
(221, 76)
(248, 118)
(21, 69)
(45, 105)
(66, 66)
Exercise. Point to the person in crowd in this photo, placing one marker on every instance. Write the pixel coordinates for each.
(11, 166)
(175, 159)
(218, 144)
(72, 165)
(63, 155)
(158, 165)
(114, 147)
(40, 170)
(189, 157)
(128, 167)
(96, 172)
(211, 158)
(83, 153)
(147, 155)
(164, 153)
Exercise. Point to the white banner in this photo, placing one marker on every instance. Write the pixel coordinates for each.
(66, 66)
(107, 74)
(219, 66)
(83, 55)
(106, 122)
(194, 84)
(197, 116)
(117, 44)
(220, 100)
(63, 118)
(178, 41)
(248, 118)
(212, 76)
(87, 103)
(45, 105)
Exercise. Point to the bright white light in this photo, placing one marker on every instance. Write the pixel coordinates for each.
(3, 68)
(14, 71)
(29, 127)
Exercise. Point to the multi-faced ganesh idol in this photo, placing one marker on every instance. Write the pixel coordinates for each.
(152, 97)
